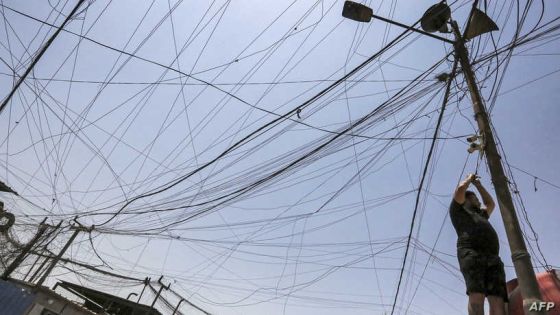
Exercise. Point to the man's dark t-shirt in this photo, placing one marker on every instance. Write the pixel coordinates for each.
(473, 229)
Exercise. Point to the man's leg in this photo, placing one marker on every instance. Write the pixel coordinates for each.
(473, 269)
(476, 304)
(496, 286)
(497, 305)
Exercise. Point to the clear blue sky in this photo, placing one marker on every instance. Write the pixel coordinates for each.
(93, 127)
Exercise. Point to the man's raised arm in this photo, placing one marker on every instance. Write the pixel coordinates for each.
(459, 195)
(486, 198)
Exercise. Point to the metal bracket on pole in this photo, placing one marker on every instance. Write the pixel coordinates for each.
(162, 286)
(131, 294)
(177, 307)
(520, 255)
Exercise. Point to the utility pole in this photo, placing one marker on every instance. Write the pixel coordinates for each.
(435, 19)
(38, 271)
(45, 259)
(519, 255)
(77, 229)
(19, 259)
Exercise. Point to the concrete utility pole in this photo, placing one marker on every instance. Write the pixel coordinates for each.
(45, 259)
(519, 255)
(77, 230)
(436, 19)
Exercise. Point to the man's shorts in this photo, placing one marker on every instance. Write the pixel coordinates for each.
(483, 273)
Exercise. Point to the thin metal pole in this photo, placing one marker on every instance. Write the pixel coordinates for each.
(45, 259)
(21, 256)
(177, 307)
(146, 281)
(31, 268)
(38, 271)
(57, 258)
(411, 28)
(161, 287)
(521, 258)
(185, 300)
(39, 55)
(157, 296)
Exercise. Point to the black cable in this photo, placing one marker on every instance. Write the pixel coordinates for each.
(260, 129)
(39, 55)
(426, 166)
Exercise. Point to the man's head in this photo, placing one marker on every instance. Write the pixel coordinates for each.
(471, 200)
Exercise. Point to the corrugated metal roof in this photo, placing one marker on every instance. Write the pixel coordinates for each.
(13, 299)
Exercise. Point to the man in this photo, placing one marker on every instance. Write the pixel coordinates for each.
(478, 248)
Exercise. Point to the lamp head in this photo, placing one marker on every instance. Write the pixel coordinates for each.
(435, 18)
(357, 11)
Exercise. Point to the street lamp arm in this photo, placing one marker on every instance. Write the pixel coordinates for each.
(412, 29)
(362, 13)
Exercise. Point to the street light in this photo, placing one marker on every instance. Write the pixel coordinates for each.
(436, 19)
(357, 11)
(361, 13)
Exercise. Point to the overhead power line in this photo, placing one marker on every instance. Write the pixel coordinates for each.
(39, 55)
(263, 128)
(426, 166)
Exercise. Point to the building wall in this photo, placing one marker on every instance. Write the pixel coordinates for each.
(14, 300)
(20, 299)
(55, 304)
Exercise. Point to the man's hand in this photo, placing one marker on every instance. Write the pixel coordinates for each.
(459, 195)
(476, 183)
(487, 200)
(473, 178)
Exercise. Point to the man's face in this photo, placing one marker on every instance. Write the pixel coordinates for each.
(472, 200)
